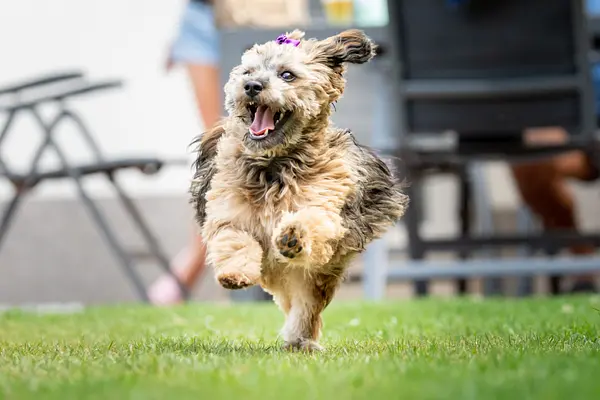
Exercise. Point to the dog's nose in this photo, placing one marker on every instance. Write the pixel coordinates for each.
(253, 88)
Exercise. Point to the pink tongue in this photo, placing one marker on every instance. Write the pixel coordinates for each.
(263, 120)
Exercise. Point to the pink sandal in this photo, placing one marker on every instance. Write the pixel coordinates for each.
(165, 291)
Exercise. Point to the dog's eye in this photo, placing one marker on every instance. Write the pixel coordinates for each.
(287, 76)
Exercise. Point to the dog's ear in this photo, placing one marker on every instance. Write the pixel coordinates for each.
(350, 46)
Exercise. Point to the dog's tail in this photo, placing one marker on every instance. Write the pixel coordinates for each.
(206, 145)
(204, 168)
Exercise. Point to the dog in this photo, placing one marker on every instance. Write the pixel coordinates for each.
(283, 198)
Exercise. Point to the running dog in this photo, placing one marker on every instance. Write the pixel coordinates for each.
(284, 199)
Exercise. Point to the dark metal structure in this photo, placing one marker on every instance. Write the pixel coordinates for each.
(26, 99)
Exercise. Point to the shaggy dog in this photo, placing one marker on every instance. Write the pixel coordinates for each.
(284, 199)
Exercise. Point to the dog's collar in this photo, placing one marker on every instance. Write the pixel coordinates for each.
(283, 39)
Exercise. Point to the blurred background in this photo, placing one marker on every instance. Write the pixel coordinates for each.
(53, 249)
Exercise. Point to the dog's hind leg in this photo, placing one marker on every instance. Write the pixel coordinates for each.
(309, 296)
(236, 258)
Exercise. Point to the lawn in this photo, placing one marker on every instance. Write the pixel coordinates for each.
(421, 349)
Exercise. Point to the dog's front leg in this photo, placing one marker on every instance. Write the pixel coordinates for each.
(236, 257)
(308, 237)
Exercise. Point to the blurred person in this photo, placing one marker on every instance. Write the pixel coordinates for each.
(196, 48)
(543, 187)
(543, 184)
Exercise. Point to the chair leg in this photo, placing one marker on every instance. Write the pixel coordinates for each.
(465, 193)
(8, 215)
(555, 281)
(123, 258)
(151, 241)
(525, 285)
(415, 244)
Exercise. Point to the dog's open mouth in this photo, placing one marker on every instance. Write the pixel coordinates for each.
(265, 121)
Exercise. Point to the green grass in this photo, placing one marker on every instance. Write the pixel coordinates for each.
(428, 349)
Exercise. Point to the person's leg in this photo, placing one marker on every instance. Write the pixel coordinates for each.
(190, 262)
(207, 90)
(543, 187)
(196, 49)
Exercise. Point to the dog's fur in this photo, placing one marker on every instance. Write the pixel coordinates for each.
(288, 212)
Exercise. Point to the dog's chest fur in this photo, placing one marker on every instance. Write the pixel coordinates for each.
(254, 193)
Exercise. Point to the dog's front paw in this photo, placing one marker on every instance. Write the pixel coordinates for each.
(235, 280)
(291, 242)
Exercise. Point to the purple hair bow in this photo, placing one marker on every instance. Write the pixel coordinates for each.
(283, 39)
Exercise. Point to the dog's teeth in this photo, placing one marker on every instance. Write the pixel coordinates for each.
(266, 131)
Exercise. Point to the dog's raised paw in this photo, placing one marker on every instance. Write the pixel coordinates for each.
(290, 242)
(234, 281)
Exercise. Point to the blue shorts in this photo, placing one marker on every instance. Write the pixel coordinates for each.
(198, 38)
